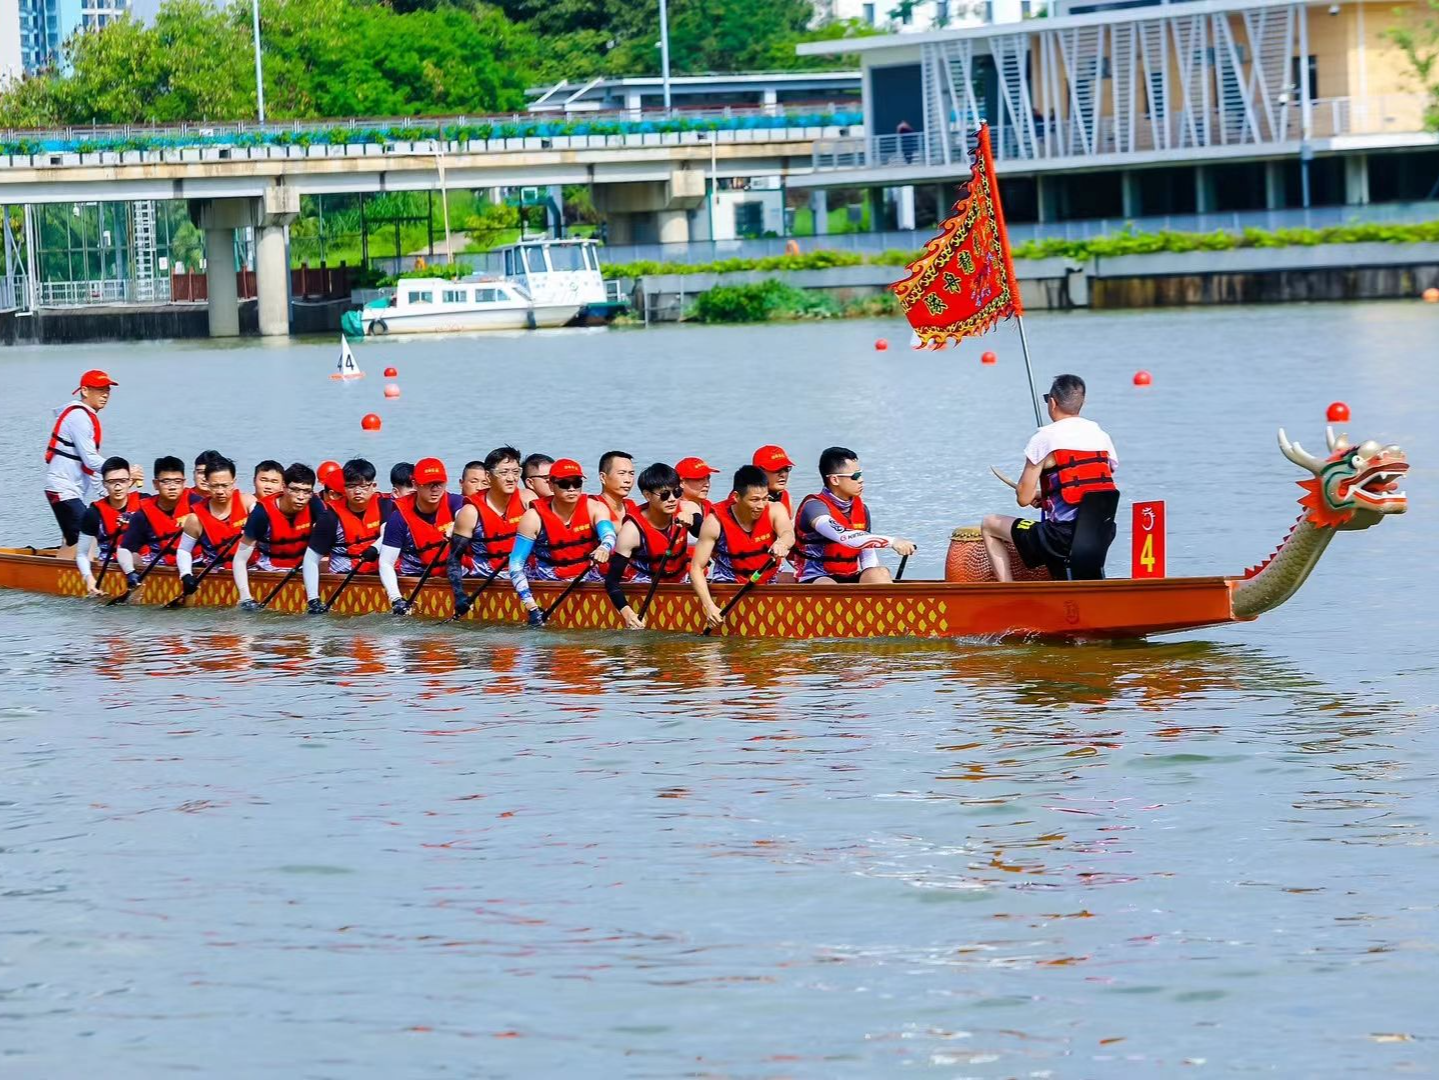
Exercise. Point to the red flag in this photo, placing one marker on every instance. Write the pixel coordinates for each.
(964, 282)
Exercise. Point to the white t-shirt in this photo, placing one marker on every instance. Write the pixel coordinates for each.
(1071, 433)
(75, 474)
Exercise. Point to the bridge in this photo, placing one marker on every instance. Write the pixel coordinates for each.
(643, 173)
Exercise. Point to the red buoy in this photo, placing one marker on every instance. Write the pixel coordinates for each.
(370, 422)
(989, 358)
(1431, 295)
(1338, 413)
(881, 345)
(392, 390)
(1142, 378)
(391, 373)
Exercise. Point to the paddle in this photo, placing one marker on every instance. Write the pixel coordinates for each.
(750, 584)
(429, 569)
(655, 578)
(579, 580)
(1004, 479)
(283, 582)
(145, 572)
(221, 554)
(472, 597)
(109, 555)
(354, 569)
(898, 574)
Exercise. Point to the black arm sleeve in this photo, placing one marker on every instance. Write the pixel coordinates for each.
(696, 523)
(614, 575)
(454, 569)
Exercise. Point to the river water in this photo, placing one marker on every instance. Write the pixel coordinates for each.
(245, 846)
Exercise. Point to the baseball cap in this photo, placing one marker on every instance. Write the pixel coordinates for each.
(772, 458)
(694, 468)
(95, 379)
(430, 470)
(566, 469)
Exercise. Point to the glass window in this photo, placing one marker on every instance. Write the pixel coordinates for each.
(457, 296)
(484, 296)
(569, 257)
(421, 297)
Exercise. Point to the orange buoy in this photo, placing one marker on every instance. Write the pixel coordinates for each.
(881, 345)
(326, 469)
(370, 422)
(1338, 413)
(1431, 295)
(1142, 378)
(989, 358)
(392, 390)
(391, 373)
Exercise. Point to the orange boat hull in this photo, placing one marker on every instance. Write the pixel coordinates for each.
(1114, 608)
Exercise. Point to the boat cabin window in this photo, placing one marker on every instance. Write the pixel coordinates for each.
(484, 296)
(509, 261)
(533, 259)
(420, 298)
(567, 258)
(457, 296)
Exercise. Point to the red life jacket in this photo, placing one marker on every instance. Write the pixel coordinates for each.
(631, 508)
(783, 500)
(838, 561)
(662, 555)
(113, 522)
(167, 528)
(1075, 474)
(288, 538)
(53, 448)
(218, 533)
(495, 538)
(426, 537)
(739, 554)
(565, 549)
(362, 532)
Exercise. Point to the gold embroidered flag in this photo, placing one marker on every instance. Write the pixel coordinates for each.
(964, 282)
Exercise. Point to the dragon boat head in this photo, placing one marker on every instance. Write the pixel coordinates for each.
(1355, 487)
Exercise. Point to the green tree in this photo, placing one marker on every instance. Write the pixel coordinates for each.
(1418, 39)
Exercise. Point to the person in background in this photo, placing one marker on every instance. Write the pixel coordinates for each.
(1063, 461)
(105, 519)
(473, 482)
(199, 491)
(617, 480)
(73, 459)
(536, 468)
(833, 529)
(694, 474)
(402, 480)
(269, 479)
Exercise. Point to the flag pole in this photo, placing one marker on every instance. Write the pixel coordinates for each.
(1029, 370)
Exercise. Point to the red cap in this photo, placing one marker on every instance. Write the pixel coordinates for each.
(694, 468)
(95, 379)
(566, 469)
(772, 459)
(430, 470)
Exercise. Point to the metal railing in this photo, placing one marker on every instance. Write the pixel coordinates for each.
(10, 294)
(100, 291)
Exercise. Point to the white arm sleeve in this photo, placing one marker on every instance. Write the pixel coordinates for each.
(830, 529)
(311, 574)
(82, 554)
(185, 555)
(867, 558)
(126, 558)
(389, 556)
(240, 571)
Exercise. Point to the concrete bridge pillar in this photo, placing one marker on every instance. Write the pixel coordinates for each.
(272, 280)
(819, 207)
(674, 226)
(662, 205)
(224, 305)
(1356, 179)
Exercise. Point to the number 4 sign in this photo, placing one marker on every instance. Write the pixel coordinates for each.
(1148, 540)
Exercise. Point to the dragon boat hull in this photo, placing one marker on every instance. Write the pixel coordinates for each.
(1115, 608)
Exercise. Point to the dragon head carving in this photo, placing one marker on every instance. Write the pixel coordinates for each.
(1354, 487)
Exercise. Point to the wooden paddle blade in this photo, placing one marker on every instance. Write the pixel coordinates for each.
(1004, 479)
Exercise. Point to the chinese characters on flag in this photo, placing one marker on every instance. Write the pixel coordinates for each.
(964, 282)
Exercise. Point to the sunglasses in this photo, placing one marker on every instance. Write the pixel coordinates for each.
(784, 471)
(569, 485)
(669, 493)
(849, 475)
(1048, 398)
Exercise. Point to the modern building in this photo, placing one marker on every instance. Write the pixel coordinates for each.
(917, 16)
(42, 26)
(1117, 109)
(774, 91)
(10, 66)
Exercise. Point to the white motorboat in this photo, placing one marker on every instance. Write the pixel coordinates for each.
(434, 305)
(564, 271)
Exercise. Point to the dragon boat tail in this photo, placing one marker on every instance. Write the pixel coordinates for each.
(1353, 488)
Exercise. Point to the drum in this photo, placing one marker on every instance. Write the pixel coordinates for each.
(968, 561)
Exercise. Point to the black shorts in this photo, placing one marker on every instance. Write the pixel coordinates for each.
(1043, 543)
(69, 513)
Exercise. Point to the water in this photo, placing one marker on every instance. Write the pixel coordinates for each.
(244, 846)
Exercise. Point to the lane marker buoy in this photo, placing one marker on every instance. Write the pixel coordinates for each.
(1337, 413)
(989, 358)
(1143, 378)
(370, 422)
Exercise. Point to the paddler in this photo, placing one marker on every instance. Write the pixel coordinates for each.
(402, 479)
(213, 523)
(694, 474)
(473, 481)
(486, 528)
(746, 535)
(653, 544)
(777, 466)
(269, 480)
(279, 527)
(617, 480)
(156, 530)
(197, 492)
(418, 531)
(105, 519)
(834, 535)
(1063, 461)
(536, 469)
(358, 521)
(567, 534)
(73, 459)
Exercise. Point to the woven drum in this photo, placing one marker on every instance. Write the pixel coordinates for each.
(968, 561)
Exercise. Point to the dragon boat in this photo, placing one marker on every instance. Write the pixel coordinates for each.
(1353, 488)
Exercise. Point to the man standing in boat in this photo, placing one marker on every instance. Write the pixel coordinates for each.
(567, 534)
(833, 529)
(748, 535)
(1064, 461)
(105, 521)
(73, 458)
(486, 528)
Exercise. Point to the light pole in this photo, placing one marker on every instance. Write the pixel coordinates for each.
(665, 50)
(259, 74)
